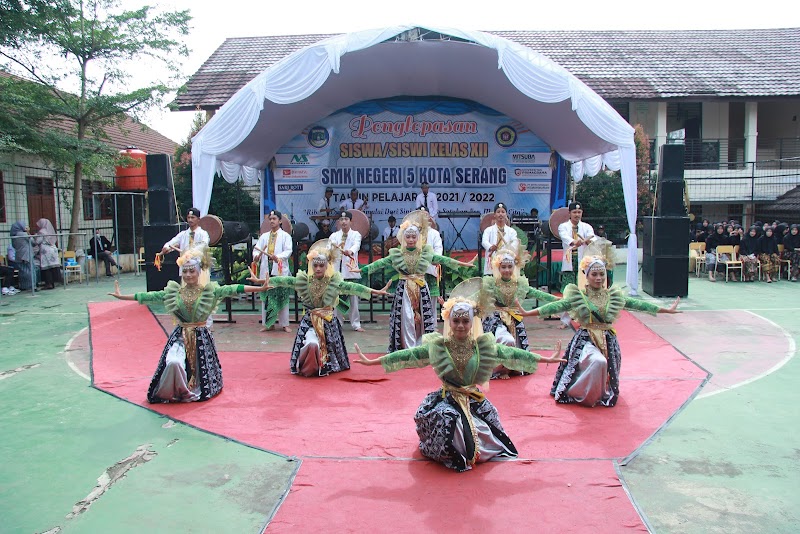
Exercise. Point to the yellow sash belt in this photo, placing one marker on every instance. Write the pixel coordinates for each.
(597, 335)
(318, 318)
(190, 342)
(462, 395)
(413, 294)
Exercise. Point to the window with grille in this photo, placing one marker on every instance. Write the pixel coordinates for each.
(96, 206)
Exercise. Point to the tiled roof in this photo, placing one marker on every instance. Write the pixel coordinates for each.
(618, 65)
(129, 133)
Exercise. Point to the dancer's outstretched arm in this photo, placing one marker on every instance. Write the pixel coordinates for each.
(118, 295)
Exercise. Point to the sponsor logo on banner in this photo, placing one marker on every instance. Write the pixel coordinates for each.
(295, 173)
(530, 158)
(290, 188)
(535, 172)
(542, 186)
(296, 159)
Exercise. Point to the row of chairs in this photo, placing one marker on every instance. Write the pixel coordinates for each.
(734, 263)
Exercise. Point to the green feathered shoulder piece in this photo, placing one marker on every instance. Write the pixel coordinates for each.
(329, 297)
(399, 261)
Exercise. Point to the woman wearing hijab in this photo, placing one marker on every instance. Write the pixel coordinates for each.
(24, 254)
(590, 375)
(748, 253)
(412, 308)
(49, 262)
(768, 255)
(189, 368)
(319, 348)
(502, 290)
(791, 250)
(457, 425)
(715, 239)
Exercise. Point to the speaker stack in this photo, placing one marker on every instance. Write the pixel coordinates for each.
(163, 221)
(665, 263)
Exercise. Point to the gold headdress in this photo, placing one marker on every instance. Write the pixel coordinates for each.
(509, 254)
(198, 255)
(466, 297)
(599, 249)
(321, 252)
(416, 219)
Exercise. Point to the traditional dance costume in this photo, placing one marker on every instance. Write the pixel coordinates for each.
(189, 369)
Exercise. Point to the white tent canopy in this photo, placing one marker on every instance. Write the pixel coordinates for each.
(312, 83)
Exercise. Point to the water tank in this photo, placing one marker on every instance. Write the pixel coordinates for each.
(131, 174)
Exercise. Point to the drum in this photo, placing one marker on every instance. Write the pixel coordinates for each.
(232, 231)
(286, 225)
(359, 223)
(486, 221)
(213, 225)
(559, 216)
(300, 231)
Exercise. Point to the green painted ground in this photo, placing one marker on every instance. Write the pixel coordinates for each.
(726, 463)
(60, 436)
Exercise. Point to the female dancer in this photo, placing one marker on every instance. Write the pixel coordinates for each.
(791, 249)
(189, 368)
(456, 424)
(412, 309)
(502, 291)
(590, 375)
(768, 255)
(319, 347)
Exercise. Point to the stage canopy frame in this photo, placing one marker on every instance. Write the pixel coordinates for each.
(316, 81)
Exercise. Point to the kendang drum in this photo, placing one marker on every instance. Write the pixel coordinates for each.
(359, 223)
(559, 216)
(232, 231)
(286, 224)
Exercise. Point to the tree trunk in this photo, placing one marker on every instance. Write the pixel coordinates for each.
(77, 207)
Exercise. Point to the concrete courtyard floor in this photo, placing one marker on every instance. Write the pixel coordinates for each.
(75, 459)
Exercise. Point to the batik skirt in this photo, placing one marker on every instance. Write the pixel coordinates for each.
(170, 382)
(444, 434)
(402, 328)
(494, 324)
(305, 359)
(587, 377)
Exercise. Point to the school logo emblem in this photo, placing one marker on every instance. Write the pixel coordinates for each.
(318, 137)
(505, 136)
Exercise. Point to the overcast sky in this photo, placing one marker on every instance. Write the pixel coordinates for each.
(213, 22)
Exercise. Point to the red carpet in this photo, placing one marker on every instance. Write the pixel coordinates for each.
(364, 415)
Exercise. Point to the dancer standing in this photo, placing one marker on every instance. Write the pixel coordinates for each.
(319, 347)
(590, 375)
(189, 369)
(412, 309)
(457, 425)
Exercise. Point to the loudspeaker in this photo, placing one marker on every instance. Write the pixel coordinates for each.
(665, 276)
(666, 236)
(670, 163)
(161, 207)
(154, 238)
(235, 231)
(159, 172)
(670, 199)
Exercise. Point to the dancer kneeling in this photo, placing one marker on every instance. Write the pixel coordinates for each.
(457, 425)
(412, 309)
(189, 368)
(590, 375)
(502, 291)
(319, 347)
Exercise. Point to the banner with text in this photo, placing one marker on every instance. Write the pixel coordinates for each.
(471, 156)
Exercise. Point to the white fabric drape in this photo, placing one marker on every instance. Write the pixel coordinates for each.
(299, 75)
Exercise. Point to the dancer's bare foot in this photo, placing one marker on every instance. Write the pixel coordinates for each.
(359, 329)
(286, 329)
(562, 326)
(503, 376)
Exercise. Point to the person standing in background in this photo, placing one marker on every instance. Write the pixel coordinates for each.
(272, 251)
(427, 200)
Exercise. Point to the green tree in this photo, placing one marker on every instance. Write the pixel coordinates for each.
(229, 202)
(603, 198)
(77, 53)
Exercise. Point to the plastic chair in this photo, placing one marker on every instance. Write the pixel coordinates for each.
(786, 262)
(140, 261)
(732, 264)
(71, 266)
(700, 259)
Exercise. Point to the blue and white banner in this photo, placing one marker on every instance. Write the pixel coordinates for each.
(472, 157)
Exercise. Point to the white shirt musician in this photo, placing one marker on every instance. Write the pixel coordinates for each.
(190, 237)
(354, 202)
(427, 200)
(326, 205)
(348, 243)
(272, 251)
(575, 235)
(498, 235)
